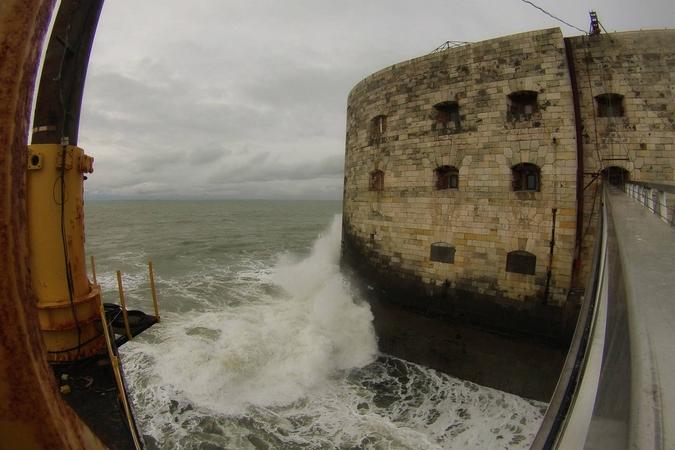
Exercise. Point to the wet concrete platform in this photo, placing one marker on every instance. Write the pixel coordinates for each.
(92, 393)
(89, 386)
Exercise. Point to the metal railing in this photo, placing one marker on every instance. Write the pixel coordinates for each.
(659, 198)
(112, 345)
(122, 297)
(561, 406)
(616, 389)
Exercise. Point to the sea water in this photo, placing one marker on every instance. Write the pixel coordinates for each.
(264, 344)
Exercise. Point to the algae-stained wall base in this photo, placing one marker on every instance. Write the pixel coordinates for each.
(462, 174)
(507, 363)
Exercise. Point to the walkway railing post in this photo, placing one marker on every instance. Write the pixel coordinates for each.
(93, 269)
(153, 290)
(114, 359)
(123, 304)
(656, 197)
(663, 210)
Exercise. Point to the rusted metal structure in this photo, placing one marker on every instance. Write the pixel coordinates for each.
(49, 310)
(67, 300)
(32, 413)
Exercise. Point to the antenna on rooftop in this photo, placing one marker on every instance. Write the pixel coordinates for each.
(448, 45)
(595, 24)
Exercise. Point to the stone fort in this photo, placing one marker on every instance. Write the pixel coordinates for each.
(473, 174)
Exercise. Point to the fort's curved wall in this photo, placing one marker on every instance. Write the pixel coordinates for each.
(393, 127)
(640, 67)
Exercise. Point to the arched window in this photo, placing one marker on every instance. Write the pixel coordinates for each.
(609, 105)
(520, 261)
(378, 126)
(376, 181)
(521, 105)
(447, 115)
(526, 177)
(447, 177)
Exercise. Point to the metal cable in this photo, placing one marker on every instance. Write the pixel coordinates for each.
(554, 17)
(64, 238)
(587, 57)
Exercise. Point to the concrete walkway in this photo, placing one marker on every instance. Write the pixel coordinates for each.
(646, 249)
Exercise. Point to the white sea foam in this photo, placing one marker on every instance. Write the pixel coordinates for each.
(273, 350)
(291, 364)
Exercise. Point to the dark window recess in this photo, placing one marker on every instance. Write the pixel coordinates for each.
(526, 177)
(376, 181)
(520, 261)
(442, 252)
(378, 126)
(609, 105)
(447, 177)
(447, 115)
(521, 105)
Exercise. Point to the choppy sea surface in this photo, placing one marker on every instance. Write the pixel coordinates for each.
(263, 343)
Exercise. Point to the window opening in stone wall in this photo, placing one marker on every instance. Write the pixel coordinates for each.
(442, 252)
(526, 177)
(378, 126)
(609, 105)
(376, 181)
(520, 261)
(521, 105)
(447, 177)
(447, 115)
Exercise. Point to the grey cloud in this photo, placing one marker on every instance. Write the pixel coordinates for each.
(207, 155)
(229, 98)
(275, 170)
(172, 109)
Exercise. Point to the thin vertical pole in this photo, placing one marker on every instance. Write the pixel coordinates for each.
(123, 304)
(153, 290)
(93, 269)
(108, 339)
(118, 379)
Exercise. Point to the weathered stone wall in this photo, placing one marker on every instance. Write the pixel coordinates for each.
(391, 223)
(639, 66)
(484, 219)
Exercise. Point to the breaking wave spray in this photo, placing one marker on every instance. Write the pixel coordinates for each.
(285, 356)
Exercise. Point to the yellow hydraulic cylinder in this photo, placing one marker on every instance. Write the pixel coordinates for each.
(68, 304)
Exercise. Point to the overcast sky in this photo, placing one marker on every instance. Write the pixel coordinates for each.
(247, 99)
